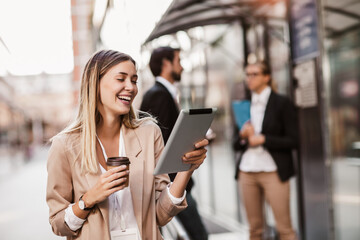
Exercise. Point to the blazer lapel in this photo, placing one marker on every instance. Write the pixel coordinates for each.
(176, 105)
(268, 111)
(133, 148)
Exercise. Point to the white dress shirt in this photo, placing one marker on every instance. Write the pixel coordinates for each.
(170, 87)
(258, 159)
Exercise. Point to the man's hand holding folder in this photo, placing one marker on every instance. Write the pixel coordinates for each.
(241, 110)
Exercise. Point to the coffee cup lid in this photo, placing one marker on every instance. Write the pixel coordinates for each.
(117, 161)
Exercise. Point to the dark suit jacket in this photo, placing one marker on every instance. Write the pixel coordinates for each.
(280, 127)
(159, 102)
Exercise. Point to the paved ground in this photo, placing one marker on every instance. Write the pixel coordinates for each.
(23, 210)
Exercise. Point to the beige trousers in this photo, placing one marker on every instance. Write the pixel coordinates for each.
(257, 187)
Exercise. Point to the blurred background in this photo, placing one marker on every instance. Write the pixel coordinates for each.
(313, 47)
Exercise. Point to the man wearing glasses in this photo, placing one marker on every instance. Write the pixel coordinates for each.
(265, 162)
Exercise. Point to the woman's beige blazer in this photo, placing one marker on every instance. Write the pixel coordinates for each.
(66, 183)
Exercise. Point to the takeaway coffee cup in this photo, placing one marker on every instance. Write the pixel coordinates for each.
(113, 162)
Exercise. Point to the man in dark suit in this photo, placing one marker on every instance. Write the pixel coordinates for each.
(161, 102)
(266, 163)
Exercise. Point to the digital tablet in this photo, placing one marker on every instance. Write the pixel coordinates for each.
(190, 127)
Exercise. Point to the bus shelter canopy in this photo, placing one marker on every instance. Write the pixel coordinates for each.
(185, 14)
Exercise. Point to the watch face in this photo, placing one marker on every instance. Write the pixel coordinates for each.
(81, 204)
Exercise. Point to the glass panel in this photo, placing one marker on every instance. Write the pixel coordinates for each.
(217, 81)
(344, 58)
(220, 63)
(214, 76)
(342, 64)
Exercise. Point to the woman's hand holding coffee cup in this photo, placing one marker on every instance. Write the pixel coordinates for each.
(113, 162)
(111, 181)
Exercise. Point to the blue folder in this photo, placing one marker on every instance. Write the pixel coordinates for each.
(241, 110)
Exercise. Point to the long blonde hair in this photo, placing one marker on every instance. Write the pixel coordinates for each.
(88, 115)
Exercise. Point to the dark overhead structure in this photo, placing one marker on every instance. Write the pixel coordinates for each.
(185, 14)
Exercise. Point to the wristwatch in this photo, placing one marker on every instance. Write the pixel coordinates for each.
(82, 204)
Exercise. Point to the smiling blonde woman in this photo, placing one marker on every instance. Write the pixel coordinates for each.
(87, 201)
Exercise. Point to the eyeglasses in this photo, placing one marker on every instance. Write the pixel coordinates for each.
(254, 74)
